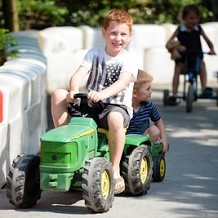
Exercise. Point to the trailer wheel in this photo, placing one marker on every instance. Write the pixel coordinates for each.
(159, 169)
(137, 171)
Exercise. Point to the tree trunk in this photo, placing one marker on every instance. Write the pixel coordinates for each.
(10, 15)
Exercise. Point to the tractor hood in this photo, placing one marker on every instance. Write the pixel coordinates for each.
(77, 128)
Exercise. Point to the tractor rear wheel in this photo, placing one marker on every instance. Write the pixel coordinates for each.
(23, 182)
(137, 170)
(98, 184)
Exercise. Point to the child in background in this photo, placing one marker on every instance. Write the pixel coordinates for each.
(111, 73)
(144, 111)
(188, 34)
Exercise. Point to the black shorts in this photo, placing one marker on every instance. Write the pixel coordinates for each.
(189, 59)
(101, 119)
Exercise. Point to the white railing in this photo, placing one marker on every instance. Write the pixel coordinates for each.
(23, 117)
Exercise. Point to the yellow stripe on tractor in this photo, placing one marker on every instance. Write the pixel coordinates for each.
(89, 132)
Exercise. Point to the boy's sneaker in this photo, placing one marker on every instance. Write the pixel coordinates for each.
(207, 93)
(173, 101)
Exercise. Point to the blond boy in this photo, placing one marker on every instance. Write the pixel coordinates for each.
(146, 118)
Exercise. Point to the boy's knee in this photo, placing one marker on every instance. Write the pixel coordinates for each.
(115, 117)
(153, 132)
(58, 94)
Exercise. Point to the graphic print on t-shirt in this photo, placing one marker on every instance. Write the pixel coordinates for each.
(112, 74)
(102, 75)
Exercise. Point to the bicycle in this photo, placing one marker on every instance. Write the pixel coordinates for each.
(190, 83)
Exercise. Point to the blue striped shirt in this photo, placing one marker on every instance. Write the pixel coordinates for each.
(141, 119)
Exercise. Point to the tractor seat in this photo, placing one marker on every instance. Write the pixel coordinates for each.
(103, 131)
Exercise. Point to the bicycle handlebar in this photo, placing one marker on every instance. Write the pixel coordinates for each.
(197, 52)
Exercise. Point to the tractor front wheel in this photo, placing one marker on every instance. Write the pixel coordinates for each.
(23, 182)
(98, 185)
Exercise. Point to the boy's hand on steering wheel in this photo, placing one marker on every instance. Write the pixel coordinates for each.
(212, 52)
(70, 96)
(94, 96)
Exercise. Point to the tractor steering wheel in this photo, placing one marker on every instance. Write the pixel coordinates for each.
(85, 107)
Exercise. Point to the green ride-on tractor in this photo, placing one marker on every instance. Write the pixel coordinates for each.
(76, 156)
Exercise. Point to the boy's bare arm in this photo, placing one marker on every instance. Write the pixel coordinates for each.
(175, 34)
(209, 43)
(163, 137)
(75, 82)
(160, 125)
(77, 78)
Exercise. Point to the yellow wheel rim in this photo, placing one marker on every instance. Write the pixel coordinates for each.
(143, 170)
(105, 184)
(162, 167)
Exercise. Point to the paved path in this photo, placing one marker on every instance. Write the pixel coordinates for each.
(189, 190)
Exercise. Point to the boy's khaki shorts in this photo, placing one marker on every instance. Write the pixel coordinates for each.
(101, 119)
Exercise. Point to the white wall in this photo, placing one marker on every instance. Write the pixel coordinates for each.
(148, 43)
(59, 45)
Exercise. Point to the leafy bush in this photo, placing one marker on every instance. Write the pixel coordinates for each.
(40, 14)
(6, 39)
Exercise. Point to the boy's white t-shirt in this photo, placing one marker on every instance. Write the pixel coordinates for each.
(104, 70)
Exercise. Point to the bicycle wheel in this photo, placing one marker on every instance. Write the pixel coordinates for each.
(166, 97)
(217, 98)
(189, 98)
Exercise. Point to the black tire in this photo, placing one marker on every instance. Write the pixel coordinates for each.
(189, 98)
(98, 185)
(137, 171)
(159, 169)
(23, 181)
(166, 97)
(217, 98)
